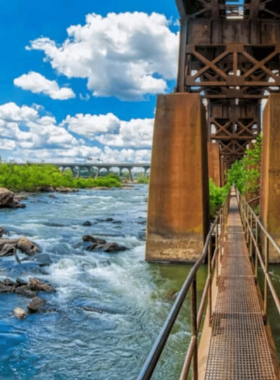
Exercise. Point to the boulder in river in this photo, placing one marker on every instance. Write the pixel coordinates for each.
(8, 199)
(66, 190)
(37, 285)
(92, 239)
(35, 304)
(8, 246)
(87, 224)
(27, 246)
(113, 247)
(6, 289)
(101, 244)
(20, 313)
(43, 259)
(25, 291)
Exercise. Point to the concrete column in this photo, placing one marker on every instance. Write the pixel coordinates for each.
(130, 174)
(214, 162)
(97, 173)
(270, 178)
(178, 214)
(78, 173)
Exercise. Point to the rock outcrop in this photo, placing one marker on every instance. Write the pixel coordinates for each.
(36, 304)
(26, 289)
(20, 313)
(9, 200)
(8, 247)
(102, 245)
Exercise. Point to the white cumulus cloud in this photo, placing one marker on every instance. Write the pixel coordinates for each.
(38, 84)
(127, 55)
(29, 134)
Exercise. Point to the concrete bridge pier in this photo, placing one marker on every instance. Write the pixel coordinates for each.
(178, 212)
(214, 162)
(130, 174)
(97, 173)
(270, 178)
(78, 173)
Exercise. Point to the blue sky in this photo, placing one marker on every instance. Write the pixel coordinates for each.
(93, 94)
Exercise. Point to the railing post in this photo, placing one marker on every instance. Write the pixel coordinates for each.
(217, 253)
(256, 253)
(247, 224)
(210, 284)
(194, 330)
(251, 235)
(266, 254)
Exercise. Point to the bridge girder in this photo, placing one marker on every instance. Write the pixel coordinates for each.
(230, 55)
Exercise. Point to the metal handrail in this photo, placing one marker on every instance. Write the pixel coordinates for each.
(196, 313)
(259, 241)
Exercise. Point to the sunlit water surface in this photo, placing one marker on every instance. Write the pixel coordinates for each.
(131, 298)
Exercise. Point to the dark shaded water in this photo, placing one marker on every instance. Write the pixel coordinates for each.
(131, 297)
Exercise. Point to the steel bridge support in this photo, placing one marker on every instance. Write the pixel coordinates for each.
(178, 212)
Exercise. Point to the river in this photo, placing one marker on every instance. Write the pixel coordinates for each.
(130, 298)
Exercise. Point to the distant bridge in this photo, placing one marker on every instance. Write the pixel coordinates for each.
(89, 166)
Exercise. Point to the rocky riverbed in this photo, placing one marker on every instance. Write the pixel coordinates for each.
(104, 309)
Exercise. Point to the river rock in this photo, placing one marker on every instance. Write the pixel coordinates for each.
(7, 250)
(92, 239)
(20, 313)
(8, 200)
(35, 304)
(43, 259)
(6, 289)
(49, 189)
(66, 190)
(93, 309)
(9, 282)
(37, 285)
(6, 196)
(2, 231)
(87, 224)
(113, 247)
(21, 282)
(52, 196)
(25, 291)
(27, 246)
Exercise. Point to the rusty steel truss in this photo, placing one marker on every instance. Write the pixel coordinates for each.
(230, 54)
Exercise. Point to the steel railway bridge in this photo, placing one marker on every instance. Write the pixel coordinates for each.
(228, 91)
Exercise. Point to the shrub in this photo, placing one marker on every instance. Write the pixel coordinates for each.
(33, 177)
(217, 197)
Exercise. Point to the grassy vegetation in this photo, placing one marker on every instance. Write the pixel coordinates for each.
(217, 197)
(37, 177)
(142, 179)
(245, 173)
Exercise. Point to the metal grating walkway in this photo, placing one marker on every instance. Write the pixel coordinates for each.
(239, 348)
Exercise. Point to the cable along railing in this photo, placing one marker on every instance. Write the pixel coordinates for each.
(197, 311)
(259, 243)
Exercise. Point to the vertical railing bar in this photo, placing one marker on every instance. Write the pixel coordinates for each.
(266, 253)
(256, 254)
(194, 328)
(210, 284)
(218, 252)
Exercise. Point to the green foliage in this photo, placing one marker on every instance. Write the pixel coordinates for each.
(142, 179)
(245, 173)
(217, 197)
(36, 177)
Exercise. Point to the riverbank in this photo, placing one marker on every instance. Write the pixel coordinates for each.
(35, 178)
